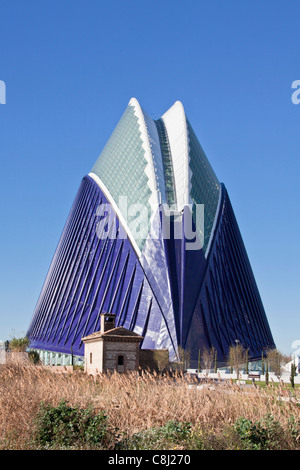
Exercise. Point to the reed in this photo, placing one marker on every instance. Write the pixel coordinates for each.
(133, 403)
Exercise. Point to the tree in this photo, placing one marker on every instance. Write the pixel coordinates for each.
(262, 363)
(19, 344)
(162, 360)
(267, 374)
(216, 363)
(293, 374)
(199, 361)
(237, 357)
(184, 358)
(208, 356)
(247, 361)
(275, 361)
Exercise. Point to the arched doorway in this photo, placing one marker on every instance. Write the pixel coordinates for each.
(121, 363)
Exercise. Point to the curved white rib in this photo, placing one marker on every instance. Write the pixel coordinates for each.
(112, 202)
(176, 127)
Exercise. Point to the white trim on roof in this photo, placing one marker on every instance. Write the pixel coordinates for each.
(112, 202)
(176, 127)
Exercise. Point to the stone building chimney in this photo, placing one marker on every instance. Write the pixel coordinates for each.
(108, 321)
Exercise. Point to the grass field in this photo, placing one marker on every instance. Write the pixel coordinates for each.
(41, 409)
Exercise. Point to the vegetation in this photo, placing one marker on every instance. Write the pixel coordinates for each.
(238, 356)
(267, 375)
(271, 360)
(293, 374)
(199, 361)
(264, 434)
(18, 344)
(65, 426)
(34, 357)
(208, 358)
(42, 409)
(173, 433)
(275, 361)
(184, 359)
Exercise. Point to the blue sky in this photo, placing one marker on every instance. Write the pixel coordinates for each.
(70, 68)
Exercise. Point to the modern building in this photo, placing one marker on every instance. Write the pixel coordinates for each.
(152, 237)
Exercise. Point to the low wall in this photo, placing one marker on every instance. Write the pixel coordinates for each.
(61, 369)
(16, 357)
(285, 377)
(153, 359)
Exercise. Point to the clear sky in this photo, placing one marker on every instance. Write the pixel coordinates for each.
(70, 68)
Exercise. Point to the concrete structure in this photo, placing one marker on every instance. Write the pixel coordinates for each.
(154, 359)
(111, 349)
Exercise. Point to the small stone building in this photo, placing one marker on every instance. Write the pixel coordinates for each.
(111, 349)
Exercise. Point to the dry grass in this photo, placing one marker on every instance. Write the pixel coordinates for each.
(132, 403)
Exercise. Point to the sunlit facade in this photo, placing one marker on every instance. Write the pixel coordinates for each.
(125, 249)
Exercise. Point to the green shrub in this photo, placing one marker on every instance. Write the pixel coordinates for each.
(66, 426)
(34, 357)
(175, 430)
(294, 429)
(173, 433)
(19, 344)
(265, 434)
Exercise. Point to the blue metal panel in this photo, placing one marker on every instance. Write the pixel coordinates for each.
(89, 275)
(229, 306)
(172, 296)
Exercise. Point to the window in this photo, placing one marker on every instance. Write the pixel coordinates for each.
(120, 360)
(91, 358)
(122, 163)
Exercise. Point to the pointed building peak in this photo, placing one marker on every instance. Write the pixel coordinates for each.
(176, 127)
(134, 102)
(176, 107)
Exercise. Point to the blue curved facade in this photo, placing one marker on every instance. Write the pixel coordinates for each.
(228, 305)
(90, 275)
(164, 288)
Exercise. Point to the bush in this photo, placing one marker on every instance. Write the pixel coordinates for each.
(265, 434)
(19, 344)
(294, 429)
(34, 357)
(173, 433)
(64, 426)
